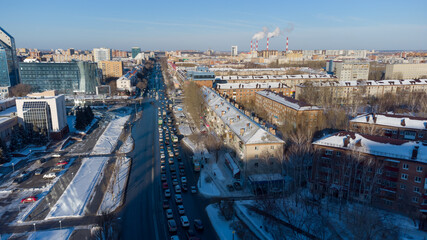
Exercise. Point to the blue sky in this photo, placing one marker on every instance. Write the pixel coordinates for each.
(200, 25)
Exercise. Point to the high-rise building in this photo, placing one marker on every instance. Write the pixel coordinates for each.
(68, 78)
(7, 42)
(233, 51)
(111, 69)
(101, 54)
(352, 71)
(135, 51)
(45, 111)
(405, 71)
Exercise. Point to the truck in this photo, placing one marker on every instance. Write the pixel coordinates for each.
(174, 138)
(160, 121)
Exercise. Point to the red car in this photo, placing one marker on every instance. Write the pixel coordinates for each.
(61, 163)
(29, 199)
(165, 185)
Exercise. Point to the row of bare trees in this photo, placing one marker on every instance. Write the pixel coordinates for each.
(194, 102)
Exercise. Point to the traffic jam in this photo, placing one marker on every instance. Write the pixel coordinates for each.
(173, 175)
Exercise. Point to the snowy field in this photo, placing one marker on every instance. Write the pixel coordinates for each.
(114, 195)
(75, 197)
(108, 141)
(59, 234)
(222, 227)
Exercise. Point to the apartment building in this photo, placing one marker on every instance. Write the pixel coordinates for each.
(390, 125)
(405, 71)
(345, 92)
(244, 92)
(290, 80)
(202, 76)
(257, 151)
(111, 69)
(351, 71)
(286, 110)
(127, 81)
(101, 54)
(46, 111)
(385, 172)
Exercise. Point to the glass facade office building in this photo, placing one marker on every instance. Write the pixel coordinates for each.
(135, 51)
(37, 114)
(66, 78)
(8, 52)
(4, 70)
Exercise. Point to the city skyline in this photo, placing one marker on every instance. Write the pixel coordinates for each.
(200, 26)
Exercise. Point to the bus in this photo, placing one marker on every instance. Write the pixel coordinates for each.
(160, 121)
(174, 138)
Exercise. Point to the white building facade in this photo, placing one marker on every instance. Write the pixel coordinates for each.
(101, 54)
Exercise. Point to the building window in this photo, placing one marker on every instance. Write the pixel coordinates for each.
(256, 156)
(417, 189)
(272, 147)
(338, 154)
(419, 169)
(415, 199)
(256, 148)
(405, 166)
(421, 135)
(417, 179)
(402, 186)
(329, 152)
(404, 176)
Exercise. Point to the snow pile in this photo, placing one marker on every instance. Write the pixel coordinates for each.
(127, 146)
(58, 234)
(222, 227)
(108, 141)
(115, 193)
(207, 188)
(75, 197)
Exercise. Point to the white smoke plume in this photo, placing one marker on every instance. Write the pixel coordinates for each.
(260, 35)
(274, 33)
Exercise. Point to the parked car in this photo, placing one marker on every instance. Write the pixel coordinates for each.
(58, 168)
(169, 213)
(184, 221)
(50, 175)
(174, 237)
(165, 204)
(168, 193)
(183, 179)
(163, 177)
(198, 224)
(191, 235)
(172, 225)
(193, 189)
(184, 187)
(29, 199)
(177, 189)
(172, 168)
(165, 185)
(181, 209)
(178, 198)
(38, 171)
(175, 182)
(181, 172)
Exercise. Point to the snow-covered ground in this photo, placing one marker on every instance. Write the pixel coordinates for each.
(185, 129)
(108, 141)
(127, 146)
(58, 234)
(74, 199)
(208, 189)
(114, 196)
(252, 220)
(222, 227)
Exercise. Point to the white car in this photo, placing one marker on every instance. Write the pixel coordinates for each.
(183, 179)
(184, 221)
(169, 213)
(178, 198)
(174, 237)
(50, 175)
(177, 189)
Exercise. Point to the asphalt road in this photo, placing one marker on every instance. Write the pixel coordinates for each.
(143, 216)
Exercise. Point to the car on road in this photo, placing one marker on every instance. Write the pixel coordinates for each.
(165, 204)
(175, 182)
(173, 175)
(172, 225)
(191, 235)
(168, 193)
(29, 199)
(181, 165)
(165, 185)
(50, 175)
(177, 189)
(193, 189)
(163, 177)
(174, 237)
(183, 179)
(163, 170)
(181, 172)
(171, 161)
(237, 186)
(172, 168)
(169, 213)
(58, 168)
(162, 156)
(38, 171)
(178, 198)
(171, 154)
(181, 209)
(184, 221)
(198, 224)
(179, 158)
(230, 188)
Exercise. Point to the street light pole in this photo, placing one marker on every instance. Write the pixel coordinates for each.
(13, 167)
(233, 234)
(60, 225)
(34, 224)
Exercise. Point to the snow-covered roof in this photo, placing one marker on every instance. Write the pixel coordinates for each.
(253, 133)
(398, 121)
(251, 85)
(247, 69)
(288, 101)
(375, 145)
(369, 83)
(273, 77)
(266, 177)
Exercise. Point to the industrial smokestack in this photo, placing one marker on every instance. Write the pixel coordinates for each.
(251, 45)
(287, 44)
(267, 43)
(257, 45)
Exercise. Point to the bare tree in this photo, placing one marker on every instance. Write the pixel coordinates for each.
(20, 90)
(194, 102)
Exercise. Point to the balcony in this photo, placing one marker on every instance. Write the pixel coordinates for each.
(390, 168)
